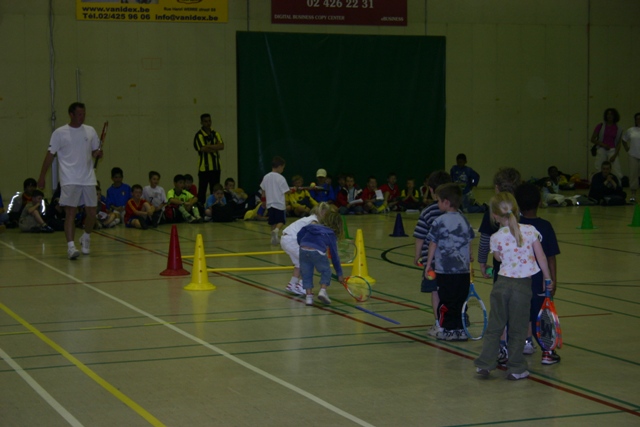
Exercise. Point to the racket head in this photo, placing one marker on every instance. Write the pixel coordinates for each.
(547, 326)
(358, 287)
(347, 251)
(474, 315)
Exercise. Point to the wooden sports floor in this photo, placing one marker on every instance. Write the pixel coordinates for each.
(107, 341)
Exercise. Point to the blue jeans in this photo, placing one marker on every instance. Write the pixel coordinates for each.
(310, 260)
(4, 217)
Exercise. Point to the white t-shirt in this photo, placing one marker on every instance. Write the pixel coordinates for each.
(517, 262)
(155, 196)
(275, 187)
(296, 226)
(73, 147)
(632, 136)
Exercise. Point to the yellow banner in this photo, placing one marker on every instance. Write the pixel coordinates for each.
(153, 10)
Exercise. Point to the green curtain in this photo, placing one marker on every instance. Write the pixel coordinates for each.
(366, 105)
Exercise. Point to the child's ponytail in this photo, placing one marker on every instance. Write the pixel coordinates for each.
(504, 205)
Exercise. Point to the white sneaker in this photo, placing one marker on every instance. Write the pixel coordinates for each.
(114, 223)
(275, 239)
(73, 253)
(434, 329)
(322, 296)
(529, 347)
(295, 289)
(521, 376)
(309, 299)
(85, 243)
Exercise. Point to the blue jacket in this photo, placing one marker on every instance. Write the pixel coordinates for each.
(320, 237)
(466, 176)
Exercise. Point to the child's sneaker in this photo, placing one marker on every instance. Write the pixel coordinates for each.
(309, 299)
(434, 329)
(520, 376)
(275, 239)
(46, 229)
(503, 356)
(529, 347)
(482, 372)
(299, 289)
(295, 289)
(73, 253)
(322, 296)
(446, 335)
(85, 242)
(550, 357)
(461, 335)
(114, 223)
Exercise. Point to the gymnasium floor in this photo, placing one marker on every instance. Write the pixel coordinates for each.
(107, 341)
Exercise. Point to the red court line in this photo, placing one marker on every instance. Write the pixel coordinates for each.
(403, 335)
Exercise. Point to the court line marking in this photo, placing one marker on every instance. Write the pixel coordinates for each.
(86, 370)
(40, 390)
(212, 347)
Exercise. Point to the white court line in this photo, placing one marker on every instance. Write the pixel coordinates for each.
(212, 347)
(41, 391)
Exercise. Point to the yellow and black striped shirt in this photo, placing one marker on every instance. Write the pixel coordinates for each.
(208, 161)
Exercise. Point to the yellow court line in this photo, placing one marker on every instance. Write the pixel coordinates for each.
(97, 378)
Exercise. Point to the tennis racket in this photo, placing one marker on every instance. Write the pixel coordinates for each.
(548, 324)
(474, 314)
(103, 136)
(347, 251)
(358, 287)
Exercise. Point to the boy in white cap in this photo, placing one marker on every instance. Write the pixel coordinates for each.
(322, 192)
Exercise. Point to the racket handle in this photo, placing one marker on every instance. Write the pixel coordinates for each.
(546, 290)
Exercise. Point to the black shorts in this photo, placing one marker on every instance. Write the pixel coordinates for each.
(276, 216)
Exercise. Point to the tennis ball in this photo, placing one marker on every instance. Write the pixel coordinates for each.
(489, 271)
(431, 275)
(313, 184)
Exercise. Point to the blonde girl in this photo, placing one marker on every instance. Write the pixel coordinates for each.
(289, 243)
(516, 246)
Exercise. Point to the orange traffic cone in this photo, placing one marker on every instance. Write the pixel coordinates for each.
(360, 263)
(174, 261)
(199, 275)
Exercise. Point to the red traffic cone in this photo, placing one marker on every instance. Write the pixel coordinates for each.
(174, 261)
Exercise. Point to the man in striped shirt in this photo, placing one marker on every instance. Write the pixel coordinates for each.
(208, 144)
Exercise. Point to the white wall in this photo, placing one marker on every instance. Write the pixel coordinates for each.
(526, 81)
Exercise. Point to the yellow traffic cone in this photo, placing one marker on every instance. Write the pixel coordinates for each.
(360, 262)
(199, 276)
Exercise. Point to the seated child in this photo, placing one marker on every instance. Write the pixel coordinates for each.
(189, 185)
(105, 218)
(550, 189)
(4, 217)
(183, 201)
(236, 198)
(259, 213)
(315, 240)
(118, 194)
(409, 197)
(154, 193)
(299, 201)
(31, 218)
(349, 198)
(216, 208)
(138, 212)
(323, 191)
(468, 179)
(391, 192)
(373, 198)
(425, 194)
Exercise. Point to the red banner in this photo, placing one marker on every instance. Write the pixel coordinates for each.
(339, 12)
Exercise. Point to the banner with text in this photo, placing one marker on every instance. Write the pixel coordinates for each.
(153, 10)
(340, 12)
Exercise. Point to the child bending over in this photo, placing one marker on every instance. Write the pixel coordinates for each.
(314, 241)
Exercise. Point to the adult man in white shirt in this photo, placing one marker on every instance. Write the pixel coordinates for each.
(76, 145)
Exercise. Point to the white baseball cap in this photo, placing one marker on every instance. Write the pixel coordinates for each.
(321, 172)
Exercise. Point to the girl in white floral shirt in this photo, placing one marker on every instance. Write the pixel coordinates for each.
(517, 246)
